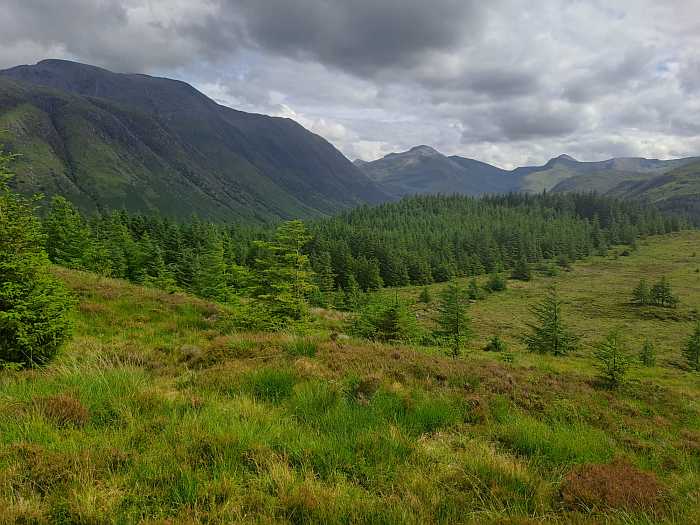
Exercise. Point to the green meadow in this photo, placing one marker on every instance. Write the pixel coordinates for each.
(159, 411)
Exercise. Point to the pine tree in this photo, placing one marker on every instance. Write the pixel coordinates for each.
(473, 291)
(210, 277)
(648, 355)
(282, 276)
(662, 295)
(612, 359)
(34, 306)
(424, 296)
(522, 270)
(452, 318)
(496, 282)
(641, 295)
(68, 236)
(324, 273)
(550, 334)
(353, 293)
(691, 352)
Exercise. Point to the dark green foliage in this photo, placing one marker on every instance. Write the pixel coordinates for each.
(209, 269)
(425, 296)
(34, 307)
(641, 295)
(496, 344)
(68, 238)
(464, 236)
(496, 282)
(612, 359)
(521, 270)
(661, 294)
(549, 334)
(386, 320)
(473, 290)
(691, 351)
(647, 356)
(452, 319)
(353, 294)
(282, 276)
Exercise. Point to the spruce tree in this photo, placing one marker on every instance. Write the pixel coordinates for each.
(282, 277)
(324, 273)
(452, 319)
(549, 335)
(34, 306)
(662, 295)
(612, 359)
(641, 295)
(68, 236)
(691, 351)
(353, 293)
(648, 355)
(210, 277)
(496, 282)
(473, 291)
(424, 296)
(522, 270)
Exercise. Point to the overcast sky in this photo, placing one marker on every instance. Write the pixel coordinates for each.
(510, 82)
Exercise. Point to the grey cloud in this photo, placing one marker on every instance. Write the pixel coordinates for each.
(363, 36)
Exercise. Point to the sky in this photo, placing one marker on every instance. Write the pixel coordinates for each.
(510, 82)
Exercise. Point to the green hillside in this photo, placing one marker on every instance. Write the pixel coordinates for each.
(158, 412)
(145, 144)
(677, 190)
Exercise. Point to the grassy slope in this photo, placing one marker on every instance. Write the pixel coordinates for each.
(156, 412)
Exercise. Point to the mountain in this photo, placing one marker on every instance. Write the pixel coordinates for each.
(602, 176)
(677, 190)
(110, 141)
(423, 170)
(672, 184)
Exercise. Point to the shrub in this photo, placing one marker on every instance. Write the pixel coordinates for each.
(424, 296)
(496, 344)
(496, 283)
(34, 307)
(64, 410)
(617, 485)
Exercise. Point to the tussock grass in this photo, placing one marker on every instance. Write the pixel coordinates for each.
(157, 412)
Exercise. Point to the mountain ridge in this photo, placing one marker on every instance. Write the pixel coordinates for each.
(144, 143)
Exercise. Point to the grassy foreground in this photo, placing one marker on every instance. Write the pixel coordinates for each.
(157, 412)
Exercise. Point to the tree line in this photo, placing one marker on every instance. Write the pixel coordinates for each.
(419, 240)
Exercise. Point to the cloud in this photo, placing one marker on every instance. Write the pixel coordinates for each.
(509, 82)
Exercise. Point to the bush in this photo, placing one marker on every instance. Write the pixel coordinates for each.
(496, 344)
(34, 307)
(496, 283)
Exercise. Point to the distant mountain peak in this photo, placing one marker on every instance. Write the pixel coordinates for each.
(424, 150)
(564, 156)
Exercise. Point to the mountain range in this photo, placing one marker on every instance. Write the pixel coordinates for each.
(129, 141)
(671, 184)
